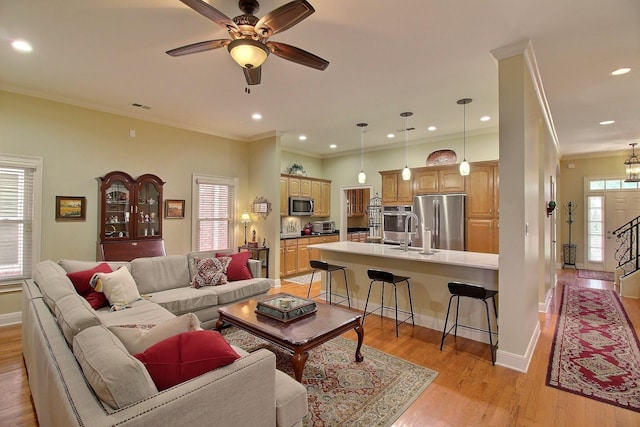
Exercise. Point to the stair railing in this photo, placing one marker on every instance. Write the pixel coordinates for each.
(628, 246)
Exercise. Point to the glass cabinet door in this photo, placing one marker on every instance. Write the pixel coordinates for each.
(117, 211)
(149, 207)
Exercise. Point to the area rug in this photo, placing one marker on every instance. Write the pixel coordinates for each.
(304, 279)
(595, 351)
(595, 275)
(342, 392)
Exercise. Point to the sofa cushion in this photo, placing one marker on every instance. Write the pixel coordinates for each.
(52, 281)
(210, 272)
(186, 356)
(236, 291)
(81, 279)
(117, 378)
(291, 400)
(185, 300)
(119, 287)
(72, 265)
(137, 340)
(237, 269)
(74, 314)
(141, 311)
(155, 274)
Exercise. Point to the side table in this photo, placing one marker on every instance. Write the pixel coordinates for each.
(261, 254)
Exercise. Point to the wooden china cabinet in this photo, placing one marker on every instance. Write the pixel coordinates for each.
(130, 216)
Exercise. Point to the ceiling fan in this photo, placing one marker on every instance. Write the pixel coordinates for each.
(248, 44)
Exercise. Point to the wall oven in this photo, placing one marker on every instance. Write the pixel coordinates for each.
(300, 206)
(394, 222)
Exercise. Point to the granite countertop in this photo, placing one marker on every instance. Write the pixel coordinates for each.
(439, 256)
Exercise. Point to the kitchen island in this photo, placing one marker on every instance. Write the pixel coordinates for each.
(429, 277)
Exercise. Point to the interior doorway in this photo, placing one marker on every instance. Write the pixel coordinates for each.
(344, 206)
(620, 208)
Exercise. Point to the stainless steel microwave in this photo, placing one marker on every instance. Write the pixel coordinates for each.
(300, 206)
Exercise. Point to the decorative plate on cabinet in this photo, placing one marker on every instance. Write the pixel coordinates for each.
(442, 157)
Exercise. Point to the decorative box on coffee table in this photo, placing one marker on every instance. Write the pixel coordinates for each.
(285, 307)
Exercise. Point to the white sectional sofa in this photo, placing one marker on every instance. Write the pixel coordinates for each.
(60, 328)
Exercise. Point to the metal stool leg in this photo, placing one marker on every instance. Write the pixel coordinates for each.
(382, 301)
(455, 332)
(310, 283)
(329, 290)
(410, 303)
(395, 294)
(493, 360)
(346, 285)
(446, 320)
(364, 315)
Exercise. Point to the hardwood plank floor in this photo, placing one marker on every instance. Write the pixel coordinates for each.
(468, 391)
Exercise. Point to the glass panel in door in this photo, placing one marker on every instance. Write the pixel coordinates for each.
(148, 208)
(117, 211)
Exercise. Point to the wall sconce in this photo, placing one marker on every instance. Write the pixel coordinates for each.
(245, 219)
(551, 206)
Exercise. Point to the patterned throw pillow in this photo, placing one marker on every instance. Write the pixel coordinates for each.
(210, 272)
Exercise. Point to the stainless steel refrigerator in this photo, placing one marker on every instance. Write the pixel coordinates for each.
(444, 216)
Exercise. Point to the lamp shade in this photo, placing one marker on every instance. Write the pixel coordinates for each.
(245, 218)
(248, 53)
(406, 173)
(464, 168)
(362, 177)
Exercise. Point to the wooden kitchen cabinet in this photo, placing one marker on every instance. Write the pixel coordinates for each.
(438, 180)
(395, 190)
(284, 196)
(482, 213)
(303, 255)
(321, 194)
(290, 264)
(357, 200)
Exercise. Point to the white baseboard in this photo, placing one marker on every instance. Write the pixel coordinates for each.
(10, 318)
(519, 362)
(543, 307)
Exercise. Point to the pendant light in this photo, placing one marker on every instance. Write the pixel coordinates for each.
(406, 172)
(464, 166)
(632, 165)
(362, 177)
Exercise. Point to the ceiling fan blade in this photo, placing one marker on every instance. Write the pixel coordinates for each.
(210, 12)
(198, 47)
(252, 75)
(283, 18)
(297, 55)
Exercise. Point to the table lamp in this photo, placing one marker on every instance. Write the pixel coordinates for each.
(246, 220)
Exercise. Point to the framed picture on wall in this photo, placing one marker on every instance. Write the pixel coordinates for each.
(174, 209)
(71, 208)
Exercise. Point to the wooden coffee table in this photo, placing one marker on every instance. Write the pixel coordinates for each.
(298, 336)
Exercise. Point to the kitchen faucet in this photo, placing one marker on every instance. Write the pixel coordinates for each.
(407, 220)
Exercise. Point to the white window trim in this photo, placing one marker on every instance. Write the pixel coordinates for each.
(33, 162)
(212, 179)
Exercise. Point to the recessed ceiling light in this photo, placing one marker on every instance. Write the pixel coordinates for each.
(391, 135)
(485, 118)
(332, 146)
(620, 71)
(256, 116)
(302, 137)
(21, 45)
(607, 122)
(431, 128)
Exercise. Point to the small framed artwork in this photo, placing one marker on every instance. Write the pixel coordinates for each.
(174, 209)
(70, 208)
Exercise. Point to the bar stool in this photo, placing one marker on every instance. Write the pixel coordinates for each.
(392, 279)
(477, 292)
(319, 266)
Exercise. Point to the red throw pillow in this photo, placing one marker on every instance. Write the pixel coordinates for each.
(81, 279)
(186, 356)
(238, 269)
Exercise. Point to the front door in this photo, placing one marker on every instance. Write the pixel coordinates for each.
(620, 208)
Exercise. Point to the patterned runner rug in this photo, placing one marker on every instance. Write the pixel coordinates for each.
(595, 351)
(342, 392)
(595, 275)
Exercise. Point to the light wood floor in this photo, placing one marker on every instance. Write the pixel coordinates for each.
(468, 391)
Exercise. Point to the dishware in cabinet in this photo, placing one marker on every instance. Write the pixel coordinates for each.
(131, 209)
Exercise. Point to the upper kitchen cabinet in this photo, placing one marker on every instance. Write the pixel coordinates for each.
(299, 187)
(481, 190)
(438, 180)
(284, 196)
(395, 190)
(317, 189)
(130, 216)
(321, 194)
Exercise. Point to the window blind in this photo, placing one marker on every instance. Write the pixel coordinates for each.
(214, 213)
(16, 221)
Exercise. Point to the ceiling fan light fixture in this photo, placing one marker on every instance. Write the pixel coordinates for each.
(248, 53)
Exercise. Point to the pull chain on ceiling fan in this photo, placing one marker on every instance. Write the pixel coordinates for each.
(248, 44)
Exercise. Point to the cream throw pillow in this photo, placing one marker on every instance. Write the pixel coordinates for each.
(137, 340)
(118, 286)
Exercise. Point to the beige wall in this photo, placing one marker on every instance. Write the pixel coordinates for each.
(78, 145)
